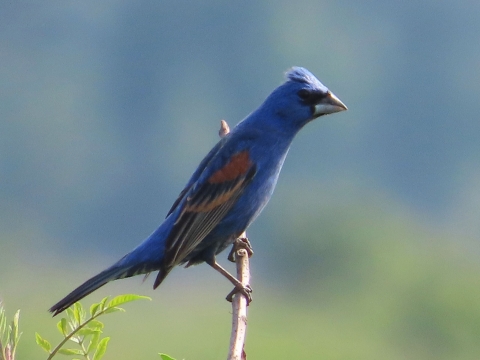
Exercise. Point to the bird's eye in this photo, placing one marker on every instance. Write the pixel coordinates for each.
(304, 94)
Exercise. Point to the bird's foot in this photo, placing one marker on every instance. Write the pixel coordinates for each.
(240, 243)
(245, 290)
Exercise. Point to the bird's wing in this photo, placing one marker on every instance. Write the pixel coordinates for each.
(205, 204)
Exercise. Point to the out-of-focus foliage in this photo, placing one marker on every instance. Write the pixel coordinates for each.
(370, 246)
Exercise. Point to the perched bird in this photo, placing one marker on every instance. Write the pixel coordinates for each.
(227, 191)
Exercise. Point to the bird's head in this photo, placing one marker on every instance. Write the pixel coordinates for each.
(301, 99)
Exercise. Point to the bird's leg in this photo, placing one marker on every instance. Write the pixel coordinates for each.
(239, 287)
(240, 243)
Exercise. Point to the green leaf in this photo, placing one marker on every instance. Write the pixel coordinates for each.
(102, 303)
(69, 313)
(76, 339)
(3, 323)
(166, 357)
(122, 299)
(95, 325)
(78, 312)
(94, 308)
(44, 344)
(93, 342)
(71, 352)
(14, 334)
(113, 309)
(101, 348)
(87, 331)
(16, 318)
(62, 326)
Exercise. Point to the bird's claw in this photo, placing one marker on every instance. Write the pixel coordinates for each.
(245, 290)
(240, 243)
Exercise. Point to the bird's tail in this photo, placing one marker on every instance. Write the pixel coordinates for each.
(116, 271)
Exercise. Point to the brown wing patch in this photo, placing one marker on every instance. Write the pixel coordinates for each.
(238, 165)
(210, 204)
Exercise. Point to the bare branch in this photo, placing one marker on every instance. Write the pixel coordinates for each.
(224, 128)
(241, 252)
(239, 305)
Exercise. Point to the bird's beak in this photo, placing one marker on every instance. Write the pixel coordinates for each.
(329, 105)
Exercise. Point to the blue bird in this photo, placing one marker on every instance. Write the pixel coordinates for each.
(227, 191)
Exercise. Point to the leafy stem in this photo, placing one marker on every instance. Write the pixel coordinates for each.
(85, 332)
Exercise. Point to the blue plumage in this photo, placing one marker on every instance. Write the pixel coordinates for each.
(227, 191)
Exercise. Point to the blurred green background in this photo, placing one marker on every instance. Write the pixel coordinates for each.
(369, 248)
